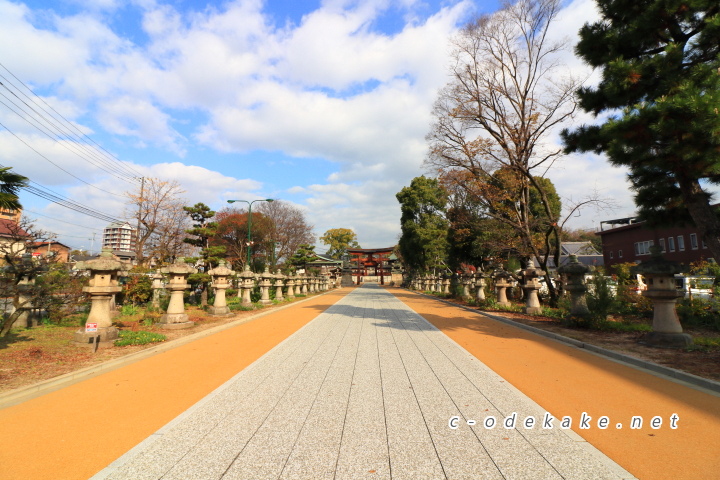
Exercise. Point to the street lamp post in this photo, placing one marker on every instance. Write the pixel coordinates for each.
(250, 221)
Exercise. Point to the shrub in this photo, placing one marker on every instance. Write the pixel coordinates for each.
(698, 313)
(138, 289)
(600, 298)
(138, 338)
(129, 310)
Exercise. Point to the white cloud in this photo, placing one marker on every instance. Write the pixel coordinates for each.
(331, 87)
(141, 119)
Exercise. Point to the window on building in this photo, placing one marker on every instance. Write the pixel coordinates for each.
(662, 245)
(704, 245)
(643, 248)
(693, 241)
(681, 243)
(671, 244)
(619, 253)
(611, 254)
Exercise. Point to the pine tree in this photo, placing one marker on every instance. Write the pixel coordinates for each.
(201, 233)
(660, 62)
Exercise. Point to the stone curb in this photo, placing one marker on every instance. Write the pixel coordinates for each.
(22, 394)
(691, 380)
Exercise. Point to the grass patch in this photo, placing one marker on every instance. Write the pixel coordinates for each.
(238, 306)
(624, 327)
(713, 342)
(138, 338)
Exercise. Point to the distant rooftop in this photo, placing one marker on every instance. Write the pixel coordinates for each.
(619, 221)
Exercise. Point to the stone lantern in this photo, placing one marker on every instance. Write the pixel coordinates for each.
(502, 283)
(290, 284)
(279, 277)
(303, 284)
(102, 286)
(480, 285)
(220, 282)
(660, 278)
(446, 283)
(312, 281)
(175, 317)
(157, 285)
(531, 286)
(265, 283)
(466, 281)
(575, 284)
(247, 283)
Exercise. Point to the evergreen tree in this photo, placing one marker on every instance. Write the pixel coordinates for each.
(304, 254)
(201, 233)
(423, 243)
(10, 185)
(660, 62)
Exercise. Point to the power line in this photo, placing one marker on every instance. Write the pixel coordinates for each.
(62, 221)
(99, 153)
(51, 129)
(58, 166)
(47, 194)
(67, 203)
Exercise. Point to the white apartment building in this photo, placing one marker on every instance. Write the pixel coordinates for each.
(119, 236)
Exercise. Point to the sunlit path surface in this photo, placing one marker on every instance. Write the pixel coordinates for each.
(366, 390)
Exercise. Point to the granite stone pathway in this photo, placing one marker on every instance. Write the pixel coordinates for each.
(369, 389)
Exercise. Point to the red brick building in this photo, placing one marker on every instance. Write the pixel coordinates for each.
(631, 241)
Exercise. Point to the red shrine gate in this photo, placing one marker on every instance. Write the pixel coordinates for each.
(370, 262)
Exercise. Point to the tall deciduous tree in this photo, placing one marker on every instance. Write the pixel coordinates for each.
(156, 206)
(232, 233)
(423, 242)
(339, 240)
(507, 95)
(660, 62)
(289, 228)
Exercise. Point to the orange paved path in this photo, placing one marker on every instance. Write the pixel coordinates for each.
(567, 381)
(77, 431)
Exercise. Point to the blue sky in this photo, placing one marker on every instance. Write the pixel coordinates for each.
(321, 103)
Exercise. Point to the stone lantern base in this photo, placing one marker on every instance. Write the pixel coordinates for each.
(175, 321)
(107, 335)
(213, 310)
(667, 340)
